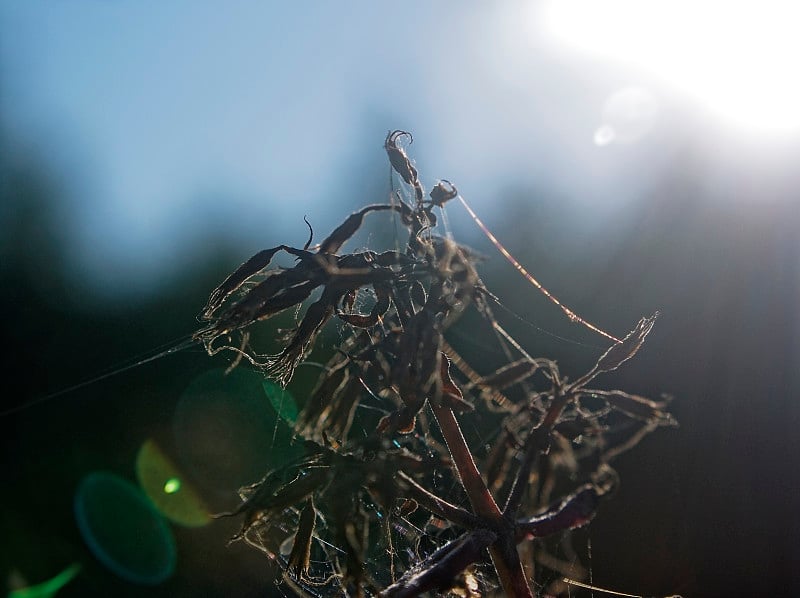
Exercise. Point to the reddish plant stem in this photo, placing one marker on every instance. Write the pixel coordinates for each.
(436, 505)
(503, 551)
(509, 568)
(480, 498)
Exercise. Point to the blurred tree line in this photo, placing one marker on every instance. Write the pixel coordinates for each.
(709, 509)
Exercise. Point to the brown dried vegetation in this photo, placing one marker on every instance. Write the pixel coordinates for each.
(410, 507)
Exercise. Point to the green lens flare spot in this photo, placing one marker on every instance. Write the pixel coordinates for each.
(166, 486)
(123, 529)
(226, 433)
(282, 401)
(48, 588)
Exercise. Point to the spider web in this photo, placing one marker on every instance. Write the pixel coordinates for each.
(402, 542)
(421, 533)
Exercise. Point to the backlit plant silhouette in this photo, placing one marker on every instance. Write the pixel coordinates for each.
(410, 506)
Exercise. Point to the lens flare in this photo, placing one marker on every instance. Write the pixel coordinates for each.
(165, 485)
(282, 401)
(123, 529)
(228, 433)
(736, 58)
(49, 588)
(628, 115)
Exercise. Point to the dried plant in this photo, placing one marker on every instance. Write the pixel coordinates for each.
(411, 506)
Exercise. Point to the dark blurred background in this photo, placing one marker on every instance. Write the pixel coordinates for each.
(634, 159)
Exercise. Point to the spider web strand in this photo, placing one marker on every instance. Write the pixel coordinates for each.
(529, 277)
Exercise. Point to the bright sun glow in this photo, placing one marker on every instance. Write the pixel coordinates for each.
(739, 57)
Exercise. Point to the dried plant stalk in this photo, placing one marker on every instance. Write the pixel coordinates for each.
(410, 477)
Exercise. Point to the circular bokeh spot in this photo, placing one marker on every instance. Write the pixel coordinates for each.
(628, 115)
(123, 529)
(168, 489)
(227, 431)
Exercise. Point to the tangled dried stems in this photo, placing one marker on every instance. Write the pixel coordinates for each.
(409, 506)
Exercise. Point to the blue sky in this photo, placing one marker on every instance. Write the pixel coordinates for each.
(164, 120)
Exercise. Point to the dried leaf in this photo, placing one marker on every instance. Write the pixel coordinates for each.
(623, 351)
(509, 375)
(636, 406)
(300, 557)
(451, 394)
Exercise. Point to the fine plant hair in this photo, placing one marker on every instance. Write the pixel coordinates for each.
(408, 505)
